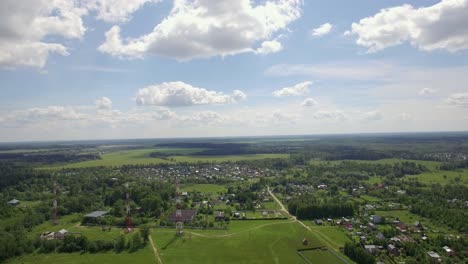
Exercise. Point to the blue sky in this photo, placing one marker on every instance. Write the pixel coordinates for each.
(148, 68)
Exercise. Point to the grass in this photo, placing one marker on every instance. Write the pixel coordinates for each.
(142, 157)
(232, 158)
(321, 256)
(268, 244)
(144, 255)
(437, 176)
(369, 198)
(203, 188)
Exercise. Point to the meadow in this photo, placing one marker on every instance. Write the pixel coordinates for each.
(142, 157)
(144, 255)
(275, 242)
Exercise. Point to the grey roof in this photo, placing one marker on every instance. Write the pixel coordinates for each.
(14, 201)
(187, 215)
(96, 214)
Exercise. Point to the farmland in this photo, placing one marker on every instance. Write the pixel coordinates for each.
(142, 157)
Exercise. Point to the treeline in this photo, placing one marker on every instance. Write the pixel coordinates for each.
(46, 158)
(13, 174)
(80, 243)
(454, 165)
(308, 207)
(358, 254)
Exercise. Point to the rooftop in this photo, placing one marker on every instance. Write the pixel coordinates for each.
(187, 215)
(96, 214)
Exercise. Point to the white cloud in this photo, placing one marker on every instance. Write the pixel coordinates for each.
(25, 24)
(322, 30)
(404, 117)
(308, 102)
(116, 11)
(271, 46)
(458, 99)
(441, 26)
(182, 94)
(296, 90)
(426, 91)
(329, 114)
(372, 116)
(369, 70)
(206, 28)
(103, 103)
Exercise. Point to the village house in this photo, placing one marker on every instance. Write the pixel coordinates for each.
(449, 251)
(434, 256)
(393, 250)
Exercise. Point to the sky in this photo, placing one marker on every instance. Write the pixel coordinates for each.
(109, 69)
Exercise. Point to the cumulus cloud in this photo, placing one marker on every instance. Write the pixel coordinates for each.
(116, 11)
(298, 89)
(426, 91)
(308, 102)
(458, 99)
(103, 103)
(441, 26)
(182, 94)
(24, 26)
(206, 28)
(271, 46)
(322, 30)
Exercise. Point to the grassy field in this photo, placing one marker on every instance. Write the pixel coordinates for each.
(321, 256)
(144, 255)
(274, 242)
(142, 157)
(231, 158)
(203, 188)
(437, 176)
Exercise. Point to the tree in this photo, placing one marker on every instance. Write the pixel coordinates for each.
(119, 244)
(145, 232)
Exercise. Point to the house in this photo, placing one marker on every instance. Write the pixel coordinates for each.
(349, 227)
(449, 251)
(60, 234)
(186, 215)
(322, 186)
(393, 250)
(380, 236)
(434, 256)
(376, 219)
(219, 216)
(371, 249)
(318, 221)
(418, 225)
(14, 202)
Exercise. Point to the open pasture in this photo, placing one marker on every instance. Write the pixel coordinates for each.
(276, 242)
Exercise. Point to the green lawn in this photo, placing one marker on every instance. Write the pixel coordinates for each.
(268, 244)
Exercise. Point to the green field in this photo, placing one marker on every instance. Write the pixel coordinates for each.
(321, 256)
(144, 255)
(142, 157)
(437, 176)
(274, 242)
(203, 188)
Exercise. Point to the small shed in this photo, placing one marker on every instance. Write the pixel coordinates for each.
(219, 216)
(96, 214)
(318, 221)
(14, 202)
